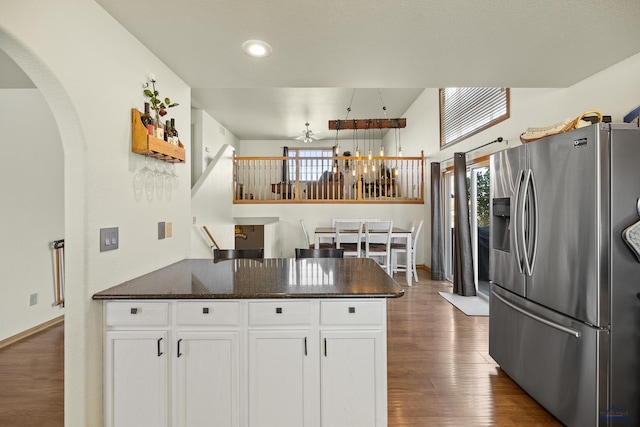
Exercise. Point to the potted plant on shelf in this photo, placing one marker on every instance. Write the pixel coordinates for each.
(158, 105)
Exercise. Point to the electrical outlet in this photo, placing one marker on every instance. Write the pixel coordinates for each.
(169, 229)
(161, 230)
(33, 299)
(109, 239)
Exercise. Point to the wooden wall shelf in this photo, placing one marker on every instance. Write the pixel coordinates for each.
(143, 143)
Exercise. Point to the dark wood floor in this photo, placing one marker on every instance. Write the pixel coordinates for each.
(440, 372)
(439, 369)
(32, 380)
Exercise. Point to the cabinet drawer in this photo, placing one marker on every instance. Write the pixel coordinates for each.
(207, 313)
(136, 313)
(280, 313)
(351, 312)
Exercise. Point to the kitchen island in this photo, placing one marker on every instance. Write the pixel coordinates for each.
(248, 343)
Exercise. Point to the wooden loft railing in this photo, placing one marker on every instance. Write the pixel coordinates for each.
(328, 180)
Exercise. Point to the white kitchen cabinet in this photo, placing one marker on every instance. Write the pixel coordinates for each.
(246, 363)
(281, 362)
(281, 381)
(353, 373)
(136, 364)
(136, 387)
(353, 384)
(207, 384)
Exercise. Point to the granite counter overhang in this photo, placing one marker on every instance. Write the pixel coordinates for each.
(260, 279)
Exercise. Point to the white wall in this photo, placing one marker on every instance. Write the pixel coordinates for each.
(207, 139)
(211, 206)
(90, 71)
(32, 213)
(248, 148)
(613, 91)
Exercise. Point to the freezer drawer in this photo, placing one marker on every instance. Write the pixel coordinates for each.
(560, 362)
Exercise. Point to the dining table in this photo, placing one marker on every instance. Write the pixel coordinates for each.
(322, 233)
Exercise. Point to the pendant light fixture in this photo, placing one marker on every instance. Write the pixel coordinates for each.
(368, 124)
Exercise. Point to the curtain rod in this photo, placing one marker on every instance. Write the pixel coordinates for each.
(498, 139)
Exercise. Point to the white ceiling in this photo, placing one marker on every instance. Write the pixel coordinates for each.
(323, 49)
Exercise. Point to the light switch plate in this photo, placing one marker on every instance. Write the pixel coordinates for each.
(161, 230)
(169, 229)
(109, 239)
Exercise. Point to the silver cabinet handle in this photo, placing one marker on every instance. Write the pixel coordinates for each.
(179, 341)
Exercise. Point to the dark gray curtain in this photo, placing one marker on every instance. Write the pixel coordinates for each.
(462, 257)
(285, 165)
(437, 247)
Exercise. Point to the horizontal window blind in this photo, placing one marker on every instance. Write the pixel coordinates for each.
(465, 111)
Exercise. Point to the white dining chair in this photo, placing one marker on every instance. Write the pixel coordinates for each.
(397, 248)
(377, 242)
(348, 237)
(362, 220)
(307, 238)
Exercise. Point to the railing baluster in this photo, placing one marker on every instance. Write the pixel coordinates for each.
(382, 179)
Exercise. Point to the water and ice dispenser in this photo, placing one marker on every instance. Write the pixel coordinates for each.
(501, 223)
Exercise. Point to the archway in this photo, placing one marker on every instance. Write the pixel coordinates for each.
(73, 146)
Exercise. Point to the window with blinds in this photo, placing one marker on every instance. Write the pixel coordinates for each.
(465, 111)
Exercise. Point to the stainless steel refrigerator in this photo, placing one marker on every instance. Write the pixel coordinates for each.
(565, 285)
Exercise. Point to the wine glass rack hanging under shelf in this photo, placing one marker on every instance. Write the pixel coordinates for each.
(148, 145)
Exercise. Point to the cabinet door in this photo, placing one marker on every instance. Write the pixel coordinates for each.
(281, 386)
(136, 366)
(207, 379)
(353, 379)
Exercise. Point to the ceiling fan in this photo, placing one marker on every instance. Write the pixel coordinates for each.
(308, 135)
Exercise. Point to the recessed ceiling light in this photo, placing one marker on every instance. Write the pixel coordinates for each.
(256, 48)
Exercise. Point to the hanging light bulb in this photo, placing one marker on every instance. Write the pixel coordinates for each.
(365, 167)
(369, 155)
(373, 167)
(353, 172)
(381, 150)
(395, 171)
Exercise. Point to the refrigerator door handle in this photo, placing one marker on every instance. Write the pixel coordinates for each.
(531, 262)
(516, 216)
(521, 214)
(542, 320)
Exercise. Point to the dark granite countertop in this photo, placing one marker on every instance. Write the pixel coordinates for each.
(260, 279)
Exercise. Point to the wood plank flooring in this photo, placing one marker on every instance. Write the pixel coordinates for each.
(439, 371)
(32, 380)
